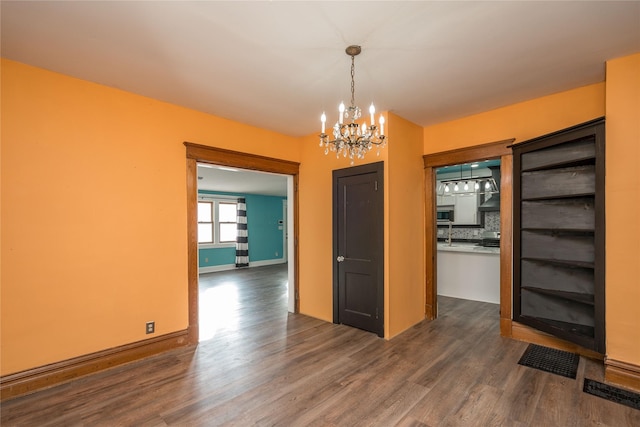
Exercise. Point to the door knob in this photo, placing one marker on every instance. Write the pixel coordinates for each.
(340, 258)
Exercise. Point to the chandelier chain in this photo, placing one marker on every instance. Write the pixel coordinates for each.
(353, 84)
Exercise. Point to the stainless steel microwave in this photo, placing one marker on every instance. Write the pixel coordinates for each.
(445, 215)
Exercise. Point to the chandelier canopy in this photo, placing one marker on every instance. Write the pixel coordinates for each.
(351, 139)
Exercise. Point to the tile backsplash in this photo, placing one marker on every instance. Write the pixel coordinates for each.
(491, 223)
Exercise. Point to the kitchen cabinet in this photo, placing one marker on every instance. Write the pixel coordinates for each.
(465, 207)
(444, 200)
(468, 271)
(559, 231)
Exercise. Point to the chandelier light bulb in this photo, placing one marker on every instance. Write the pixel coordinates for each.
(466, 186)
(487, 186)
(341, 111)
(446, 188)
(323, 119)
(372, 111)
(381, 124)
(476, 186)
(455, 187)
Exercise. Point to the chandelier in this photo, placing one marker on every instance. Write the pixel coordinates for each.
(351, 139)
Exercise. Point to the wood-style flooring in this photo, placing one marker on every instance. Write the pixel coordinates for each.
(262, 366)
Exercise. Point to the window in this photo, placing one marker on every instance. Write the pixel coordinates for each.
(227, 219)
(217, 222)
(205, 222)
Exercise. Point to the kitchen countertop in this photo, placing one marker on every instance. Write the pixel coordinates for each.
(467, 248)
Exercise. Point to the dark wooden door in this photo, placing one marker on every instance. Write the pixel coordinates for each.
(559, 231)
(358, 248)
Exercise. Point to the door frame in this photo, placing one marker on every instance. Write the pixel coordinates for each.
(378, 169)
(197, 153)
(285, 225)
(493, 150)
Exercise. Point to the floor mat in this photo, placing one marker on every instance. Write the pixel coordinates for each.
(614, 394)
(550, 360)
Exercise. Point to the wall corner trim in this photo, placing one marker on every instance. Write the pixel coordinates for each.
(43, 377)
(626, 375)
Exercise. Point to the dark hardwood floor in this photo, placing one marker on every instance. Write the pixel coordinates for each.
(259, 365)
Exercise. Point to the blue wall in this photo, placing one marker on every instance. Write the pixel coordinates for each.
(265, 239)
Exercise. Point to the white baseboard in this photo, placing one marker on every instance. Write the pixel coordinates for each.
(216, 268)
(226, 267)
(267, 262)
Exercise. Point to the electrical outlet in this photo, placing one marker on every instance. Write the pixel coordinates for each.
(151, 327)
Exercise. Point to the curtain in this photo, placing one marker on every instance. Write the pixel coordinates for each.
(242, 239)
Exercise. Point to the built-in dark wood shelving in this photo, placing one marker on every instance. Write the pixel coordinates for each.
(559, 234)
(570, 296)
(583, 333)
(562, 262)
(586, 161)
(558, 231)
(560, 197)
(563, 154)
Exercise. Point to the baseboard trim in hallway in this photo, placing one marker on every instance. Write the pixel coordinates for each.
(43, 377)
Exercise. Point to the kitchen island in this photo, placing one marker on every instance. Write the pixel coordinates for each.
(469, 271)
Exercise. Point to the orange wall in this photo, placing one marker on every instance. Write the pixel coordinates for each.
(404, 219)
(522, 121)
(94, 240)
(405, 182)
(315, 229)
(623, 209)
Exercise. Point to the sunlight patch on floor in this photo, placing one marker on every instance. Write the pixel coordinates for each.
(218, 309)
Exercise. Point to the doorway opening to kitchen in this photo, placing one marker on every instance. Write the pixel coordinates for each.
(468, 236)
(501, 152)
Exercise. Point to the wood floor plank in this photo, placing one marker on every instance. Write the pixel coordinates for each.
(262, 366)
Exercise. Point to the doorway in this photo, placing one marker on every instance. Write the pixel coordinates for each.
(495, 150)
(197, 153)
(228, 199)
(468, 237)
(358, 240)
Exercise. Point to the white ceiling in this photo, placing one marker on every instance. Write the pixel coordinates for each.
(218, 178)
(279, 64)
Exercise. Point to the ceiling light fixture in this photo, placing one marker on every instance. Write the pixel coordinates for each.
(352, 139)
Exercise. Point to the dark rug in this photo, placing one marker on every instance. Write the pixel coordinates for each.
(551, 360)
(614, 394)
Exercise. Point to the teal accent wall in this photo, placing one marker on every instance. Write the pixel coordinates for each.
(209, 257)
(265, 239)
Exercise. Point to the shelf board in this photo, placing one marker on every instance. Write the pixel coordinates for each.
(587, 299)
(558, 197)
(564, 263)
(563, 231)
(583, 333)
(582, 161)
